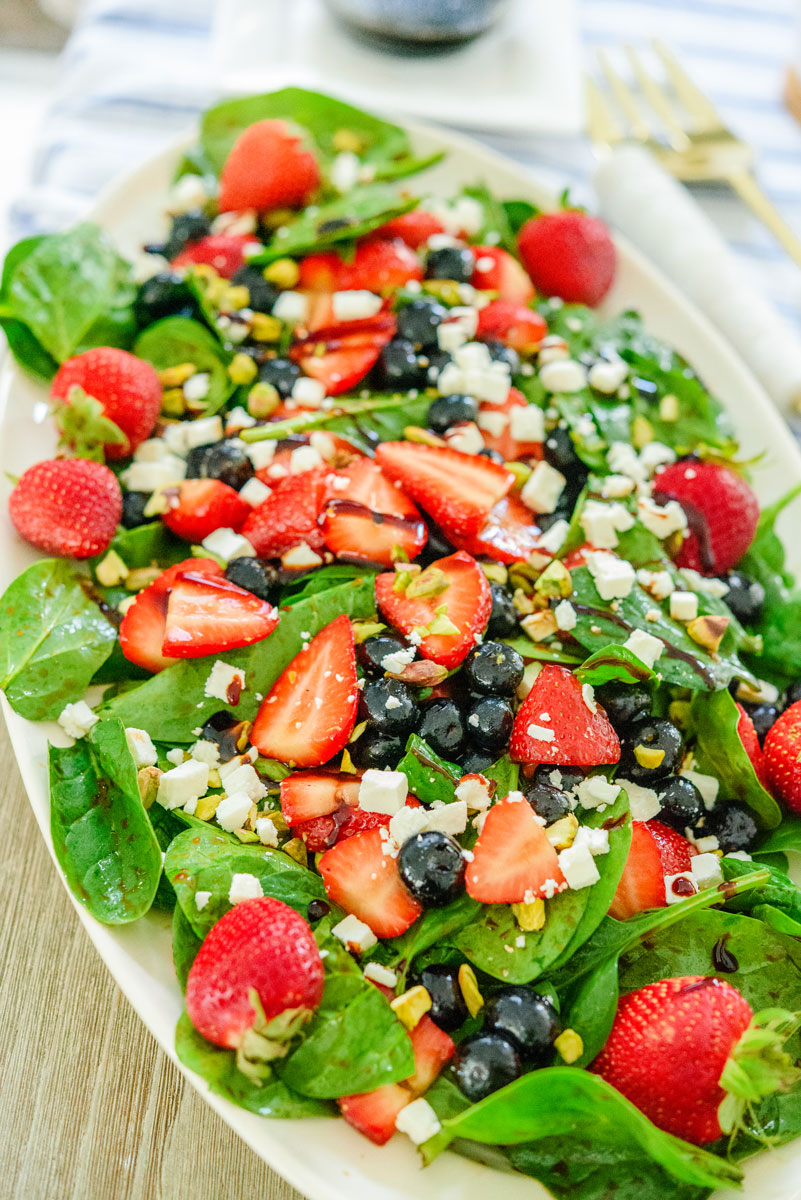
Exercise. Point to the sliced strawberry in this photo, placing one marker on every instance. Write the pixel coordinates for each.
(576, 557)
(309, 794)
(432, 1049)
(374, 1113)
(207, 615)
(462, 591)
(203, 505)
(457, 490)
(748, 736)
(339, 356)
(512, 858)
(309, 712)
(512, 323)
(267, 167)
(495, 424)
(414, 228)
(378, 265)
(497, 271)
(656, 851)
(363, 879)
(289, 516)
(371, 517)
(508, 535)
(223, 251)
(556, 725)
(321, 833)
(142, 627)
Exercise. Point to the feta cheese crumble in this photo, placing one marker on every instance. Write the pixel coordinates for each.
(77, 719)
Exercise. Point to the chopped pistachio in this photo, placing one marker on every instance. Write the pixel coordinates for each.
(708, 631)
(265, 328)
(263, 399)
(175, 377)
(468, 986)
(140, 577)
(540, 625)
(148, 780)
(347, 140)
(111, 570)
(284, 273)
(346, 765)
(246, 835)
(296, 848)
(358, 730)
(530, 915)
(555, 580)
(428, 583)
(423, 437)
(569, 1046)
(642, 432)
(495, 572)
(173, 402)
(411, 1006)
(649, 757)
(520, 471)
(236, 296)
(362, 630)
(207, 806)
(563, 832)
(242, 369)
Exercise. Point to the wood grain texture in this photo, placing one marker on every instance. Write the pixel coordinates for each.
(90, 1108)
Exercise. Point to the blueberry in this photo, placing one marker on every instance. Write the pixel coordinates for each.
(484, 1063)
(527, 1019)
(559, 452)
(281, 373)
(733, 825)
(494, 668)
(442, 727)
(476, 762)
(489, 723)
(432, 868)
(650, 734)
(793, 694)
(681, 802)
(492, 455)
(418, 322)
(373, 650)
(548, 802)
(388, 705)
(398, 368)
(436, 547)
(133, 509)
(451, 262)
(764, 716)
(505, 354)
(569, 777)
(163, 295)
(317, 909)
(255, 575)
(378, 749)
(745, 597)
(623, 702)
(225, 460)
(504, 616)
(450, 410)
(448, 1009)
(186, 227)
(263, 294)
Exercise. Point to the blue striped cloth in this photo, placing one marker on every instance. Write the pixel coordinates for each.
(136, 72)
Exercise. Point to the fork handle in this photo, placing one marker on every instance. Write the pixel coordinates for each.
(749, 190)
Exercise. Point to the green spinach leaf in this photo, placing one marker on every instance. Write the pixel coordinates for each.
(614, 663)
(185, 945)
(176, 340)
(362, 422)
(430, 777)
(720, 752)
(340, 220)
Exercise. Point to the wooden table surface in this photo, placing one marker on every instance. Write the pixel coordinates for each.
(90, 1108)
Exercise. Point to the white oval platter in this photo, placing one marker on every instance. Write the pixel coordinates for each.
(327, 1160)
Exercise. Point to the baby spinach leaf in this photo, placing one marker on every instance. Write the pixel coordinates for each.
(102, 837)
(70, 291)
(592, 1012)
(146, 546)
(340, 220)
(505, 773)
(53, 637)
(185, 945)
(434, 928)
(582, 1108)
(171, 704)
(354, 1042)
(779, 893)
(720, 752)
(28, 352)
(322, 117)
(176, 340)
(218, 1067)
(541, 652)
(614, 663)
(322, 579)
(381, 418)
(786, 837)
(203, 860)
(495, 222)
(518, 212)
(430, 777)
(780, 622)
(585, 1170)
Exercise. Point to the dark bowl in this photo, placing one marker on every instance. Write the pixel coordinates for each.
(422, 23)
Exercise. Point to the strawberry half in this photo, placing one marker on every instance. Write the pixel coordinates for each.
(144, 624)
(499, 435)
(289, 516)
(512, 858)
(433, 1048)
(268, 167)
(722, 513)
(656, 851)
(261, 945)
(457, 490)
(203, 505)
(378, 265)
(497, 271)
(555, 724)
(309, 712)
(339, 356)
(374, 1113)
(512, 323)
(127, 388)
(370, 518)
(223, 251)
(306, 795)
(414, 228)
(209, 615)
(783, 757)
(321, 833)
(363, 879)
(508, 535)
(67, 506)
(456, 584)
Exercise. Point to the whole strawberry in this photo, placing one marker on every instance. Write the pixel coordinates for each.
(782, 757)
(126, 387)
(569, 254)
(263, 947)
(721, 509)
(691, 1055)
(67, 506)
(268, 167)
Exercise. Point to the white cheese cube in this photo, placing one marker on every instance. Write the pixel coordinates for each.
(543, 488)
(465, 437)
(291, 307)
(266, 831)
(448, 818)
(418, 1121)
(706, 872)
(563, 375)
(175, 756)
(578, 867)
(183, 784)
(304, 458)
(565, 615)
(595, 840)
(201, 900)
(624, 460)
(344, 172)
(383, 791)
(606, 377)
(527, 424)
(261, 454)
(238, 418)
(148, 476)
(255, 492)
(646, 647)
(154, 449)
(707, 785)
(174, 441)
(613, 576)
(683, 606)
(615, 487)
(661, 520)
(206, 752)
(233, 810)
(379, 974)
(493, 422)
(354, 934)
(244, 886)
(554, 538)
(77, 719)
(406, 823)
(227, 769)
(675, 895)
(596, 791)
(397, 660)
(658, 584)
(308, 392)
(227, 544)
(475, 791)
(244, 779)
(204, 430)
(355, 305)
(656, 454)
(224, 681)
(141, 747)
(643, 801)
(602, 522)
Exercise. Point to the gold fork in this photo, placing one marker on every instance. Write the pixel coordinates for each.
(684, 130)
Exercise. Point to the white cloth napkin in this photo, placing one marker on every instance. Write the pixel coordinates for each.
(660, 217)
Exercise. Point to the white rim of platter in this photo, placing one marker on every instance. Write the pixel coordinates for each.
(326, 1159)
